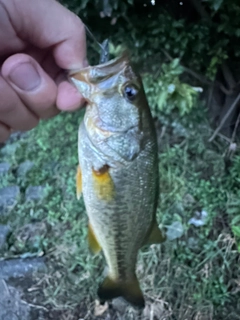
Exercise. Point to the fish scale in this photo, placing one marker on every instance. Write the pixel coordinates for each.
(118, 165)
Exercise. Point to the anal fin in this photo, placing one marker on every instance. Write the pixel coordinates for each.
(92, 240)
(129, 290)
(79, 182)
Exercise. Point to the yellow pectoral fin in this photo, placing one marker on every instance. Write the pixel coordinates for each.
(129, 290)
(79, 182)
(155, 236)
(103, 184)
(92, 241)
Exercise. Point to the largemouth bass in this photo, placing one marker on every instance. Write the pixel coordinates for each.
(118, 172)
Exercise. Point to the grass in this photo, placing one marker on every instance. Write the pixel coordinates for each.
(196, 276)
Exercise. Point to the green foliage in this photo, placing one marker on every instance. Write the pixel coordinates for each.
(108, 7)
(167, 93)
(202, 39)
(197, 275)
(194, 270)
(233, 199)
(215, 4)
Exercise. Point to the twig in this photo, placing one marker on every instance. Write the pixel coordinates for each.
(199, 77)
(224, 67)
(206, 81)
(228, 92)
(34, 305)
(228, 76)
(235, 128)
(224, 137)
(210, 95)
(188, 70)
(230, 110)
(168, 56)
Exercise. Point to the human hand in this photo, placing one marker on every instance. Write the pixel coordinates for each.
(38, 41)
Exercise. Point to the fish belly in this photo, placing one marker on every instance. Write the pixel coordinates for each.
(121, 222)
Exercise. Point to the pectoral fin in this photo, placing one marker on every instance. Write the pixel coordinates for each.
(129, 290)
(92, 240)
(155, 235)
(79, 182)
(103, 184)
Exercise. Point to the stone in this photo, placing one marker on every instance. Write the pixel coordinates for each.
(16, 268)
(120, 305)
(24, 167)
(12, 307)
(8, 199)
(4, 232)
(34, 193)
(4, 168)
(18, 135)
(9, 149)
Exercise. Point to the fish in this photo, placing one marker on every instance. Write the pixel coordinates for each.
(118, 172)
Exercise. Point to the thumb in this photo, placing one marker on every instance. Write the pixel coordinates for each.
(47, 24)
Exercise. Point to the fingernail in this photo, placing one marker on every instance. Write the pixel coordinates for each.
(25, 76)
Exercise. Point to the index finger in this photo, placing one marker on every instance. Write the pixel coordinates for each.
(47, 24)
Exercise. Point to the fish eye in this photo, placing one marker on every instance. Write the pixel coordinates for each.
(130, 92)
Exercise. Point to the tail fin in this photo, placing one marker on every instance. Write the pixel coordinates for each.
(129, 290)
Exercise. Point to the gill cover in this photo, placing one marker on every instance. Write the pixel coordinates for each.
(114, 92)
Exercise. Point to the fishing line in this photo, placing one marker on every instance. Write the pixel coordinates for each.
(104, 55)
(93, 37)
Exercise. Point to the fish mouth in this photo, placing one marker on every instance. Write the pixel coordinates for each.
(98, 73)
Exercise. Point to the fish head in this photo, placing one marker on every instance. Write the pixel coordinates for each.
(114, 94)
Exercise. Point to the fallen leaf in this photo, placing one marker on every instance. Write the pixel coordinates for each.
(100, 309)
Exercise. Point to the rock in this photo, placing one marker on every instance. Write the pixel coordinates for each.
(16, 268)
(12, 307)
(24, 167)
(35, 193)
(4, 231)
(18, 135)
(8, 199)
(120, 305)
(9, 149)
(10, 192)
(4, 168)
